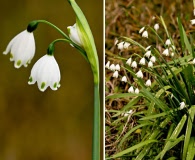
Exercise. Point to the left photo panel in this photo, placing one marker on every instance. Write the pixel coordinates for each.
(51, 89)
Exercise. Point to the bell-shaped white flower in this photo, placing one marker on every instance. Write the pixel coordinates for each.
(145, 34)
(21, 49)
(134, 64)
(193, 61)
(126, 45)
(120, 45)
(74, 35)
(153, 59)
(148, 82)
(115, 74)
(129, 61)
(166, 52)
(139, 74)
(168, 42)
(148, 53)
(124, 79)
(127, 113)
(156, 26)
(136, 91)
(192, 21)
(147, 48)
(142, 61)
(117, 67)
(107, 65)
(112, 67)
(150, 64)
(182, 105)
(46, 73)
(131, 89)
(141, 30)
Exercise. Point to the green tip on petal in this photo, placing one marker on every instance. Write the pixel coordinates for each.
(11, 56)
(30, 79)
(42, 85)
(18, 62)
(55, 85)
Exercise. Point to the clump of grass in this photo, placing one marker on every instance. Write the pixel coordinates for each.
(152, 114)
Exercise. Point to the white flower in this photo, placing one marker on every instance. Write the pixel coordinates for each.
(21, 49)
(168, 42)
(142, 61)
(112, 67)
(153, 59)
(46, 72)
(193, 62)
(129, 61)
(134, 64)
(131, 90)
(139, 74)
(150, 64)
(182, 105)
(136, 91)
(145, 34)
(192, 21)
(115, 74)
(128, 113)
(124, 79)
(74, 35)
(156, 26)
(126, 45)
(108, 65)
(141, 30)
(117, 67)
(147, 48)
(120, 45)
(166, 52)
(148, 53)
(148, 82)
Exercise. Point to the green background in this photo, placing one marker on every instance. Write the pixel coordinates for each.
(54, 125)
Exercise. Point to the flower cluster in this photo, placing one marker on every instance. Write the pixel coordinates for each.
(45, 71)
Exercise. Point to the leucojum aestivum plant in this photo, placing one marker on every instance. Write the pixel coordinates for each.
(157, 121)
(46, 71)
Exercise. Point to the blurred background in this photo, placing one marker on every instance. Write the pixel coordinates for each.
(54, 125)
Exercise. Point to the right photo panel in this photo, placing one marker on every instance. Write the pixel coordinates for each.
(149, 80)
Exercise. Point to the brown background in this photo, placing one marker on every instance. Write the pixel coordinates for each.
(54, 125)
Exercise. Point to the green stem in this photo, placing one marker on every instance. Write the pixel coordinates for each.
(96, 124)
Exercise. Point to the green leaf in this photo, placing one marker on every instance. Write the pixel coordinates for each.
(191, 149)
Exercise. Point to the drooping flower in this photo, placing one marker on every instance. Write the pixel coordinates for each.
(74, 35)
(112, 67)
(46, 73)
(142, 61)
(141, 30)
(136, 91)
(168, 42)
(107, 65)
(120, 45)
(148, 53)
(182, 105)
(192, 21)
(117, 67)
(21, 49)
(115, 74)
(129, 61)
(131, 89)
(134, 64)
(126, 45)
(153, 59)
(150, 64)
(139, 74)
(148, 82)
(128, 113)
(145, 34)
(156, 26)
(124, 79)
(166, 52)
(147, 48)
